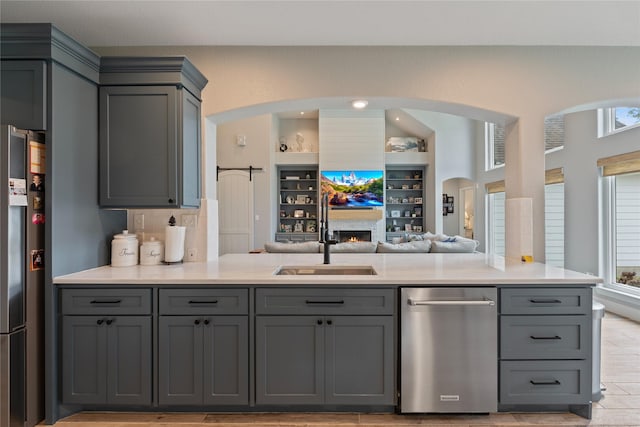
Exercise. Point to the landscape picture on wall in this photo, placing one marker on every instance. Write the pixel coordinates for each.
(353, 189)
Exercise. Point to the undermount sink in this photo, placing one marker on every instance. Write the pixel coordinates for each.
(325, 270)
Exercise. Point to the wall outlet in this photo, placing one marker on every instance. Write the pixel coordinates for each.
(138, 222)
(189, 220)
(192, 254)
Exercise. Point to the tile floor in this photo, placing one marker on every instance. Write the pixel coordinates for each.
(620, 406)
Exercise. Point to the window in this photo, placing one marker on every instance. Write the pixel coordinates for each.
(494, 144)
(495, 233)
(554, 224)
(553, 132)
(617, 119)
(626, 229)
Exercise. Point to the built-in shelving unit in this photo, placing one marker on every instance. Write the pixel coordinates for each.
(298, 203)
(404, 200)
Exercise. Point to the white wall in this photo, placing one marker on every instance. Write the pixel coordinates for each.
(483, 83)
(581, 151)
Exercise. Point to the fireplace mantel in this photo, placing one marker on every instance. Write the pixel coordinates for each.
(356, 214)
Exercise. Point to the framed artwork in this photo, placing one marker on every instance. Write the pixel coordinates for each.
(418, 200)
(301, 199)
(298, 213)
(447, 204)
(395, 214)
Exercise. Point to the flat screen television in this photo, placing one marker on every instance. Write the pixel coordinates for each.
(355, 189)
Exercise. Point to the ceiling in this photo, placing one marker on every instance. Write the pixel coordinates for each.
(336, 22)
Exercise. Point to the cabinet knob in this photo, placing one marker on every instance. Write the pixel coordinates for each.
(170, 200)
(110, 321)
(319, 322)
(329, 322)
(100, 321)
(196, 322)
(206, 321)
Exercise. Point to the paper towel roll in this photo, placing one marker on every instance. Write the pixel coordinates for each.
(174, 243)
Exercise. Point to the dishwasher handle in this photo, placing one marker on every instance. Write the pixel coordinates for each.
(485, 301)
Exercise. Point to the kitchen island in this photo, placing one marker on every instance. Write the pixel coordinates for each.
(232, 335)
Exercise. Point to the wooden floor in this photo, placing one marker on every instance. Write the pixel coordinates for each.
(620, 405)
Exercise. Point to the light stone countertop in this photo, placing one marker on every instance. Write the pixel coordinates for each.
(452, 269)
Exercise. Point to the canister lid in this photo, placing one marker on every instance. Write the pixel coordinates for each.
(152, 242)
(125, 235)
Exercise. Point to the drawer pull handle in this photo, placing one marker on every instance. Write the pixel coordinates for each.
(556, 337)
(554, 382)
(214, 301)
(106, 301)
(545, 301)
(338, 302)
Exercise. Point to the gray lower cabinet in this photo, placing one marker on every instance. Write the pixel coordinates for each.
(545, 347)
(203, 339)
(106, 360)
(326, 355)
(106, 346)
(24, 94)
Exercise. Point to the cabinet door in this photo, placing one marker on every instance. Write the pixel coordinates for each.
(84, 363)
(24, 94)
(289, 360)
(129, 360)
(180, 360)
(190, 151)
(138, 149)
(360, 360)
(226, 360)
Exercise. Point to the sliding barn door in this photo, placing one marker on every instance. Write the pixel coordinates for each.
(235, 210)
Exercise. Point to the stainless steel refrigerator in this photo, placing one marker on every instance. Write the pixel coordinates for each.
(21, 275)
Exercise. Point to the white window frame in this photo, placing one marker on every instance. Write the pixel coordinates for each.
(606, 120)
(609, 238)
(489, 140)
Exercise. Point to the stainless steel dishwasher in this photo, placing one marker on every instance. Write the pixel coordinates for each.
(448, 350)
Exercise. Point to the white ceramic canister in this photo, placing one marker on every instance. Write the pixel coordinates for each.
(151, 252)
(124, 250)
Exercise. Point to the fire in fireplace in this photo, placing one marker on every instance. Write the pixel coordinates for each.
(352, 235)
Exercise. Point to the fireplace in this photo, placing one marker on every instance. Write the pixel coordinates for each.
(352, 235)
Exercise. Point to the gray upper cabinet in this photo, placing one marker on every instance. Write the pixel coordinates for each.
(150, 131)
(24, 94)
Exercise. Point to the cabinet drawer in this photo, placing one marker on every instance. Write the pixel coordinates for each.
(548, 337)
(545, 382)
(106, 301)
(545, 301)
(325, 301)
(204, 301)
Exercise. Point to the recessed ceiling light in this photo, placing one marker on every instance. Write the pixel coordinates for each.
(302, 113)
(397, 119)
(359, 104)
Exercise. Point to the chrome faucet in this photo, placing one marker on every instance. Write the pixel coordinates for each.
(324, 227)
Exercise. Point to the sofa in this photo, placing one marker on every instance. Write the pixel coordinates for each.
(411, 243)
